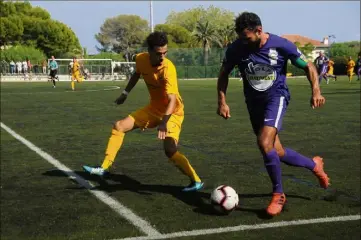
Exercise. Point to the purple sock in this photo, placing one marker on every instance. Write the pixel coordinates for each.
(293, 158)
(273, 166)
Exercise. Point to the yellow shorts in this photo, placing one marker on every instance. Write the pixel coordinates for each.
(147, 117)
(350, 72)
(77, 77)
(330, 72)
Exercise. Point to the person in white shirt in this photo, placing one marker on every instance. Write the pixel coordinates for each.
(18, 67)
(25, 67)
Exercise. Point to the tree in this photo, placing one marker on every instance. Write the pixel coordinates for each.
(6, 9)
(11, 30)
(221, 20)
(178, 36)
(31, 26)
(345, 49)
(206, 34)
(19, 53)
(188, 19)
(227, 35)
(305, 49)
(122, 34)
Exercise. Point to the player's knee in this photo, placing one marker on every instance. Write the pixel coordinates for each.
(169, 152)
(170, 147)
(280, 152)
(265, 144)
(119, 126)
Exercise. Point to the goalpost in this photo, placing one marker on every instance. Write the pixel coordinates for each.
(98, 69)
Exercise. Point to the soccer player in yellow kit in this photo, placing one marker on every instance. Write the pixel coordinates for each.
(76, 74)
(350, 66)
(165, 110)
(330, 71)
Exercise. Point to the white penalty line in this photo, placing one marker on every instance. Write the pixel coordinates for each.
(246, 227)
(123, 211)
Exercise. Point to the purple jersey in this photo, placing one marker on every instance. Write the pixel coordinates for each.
(264, 70)
(321, 61)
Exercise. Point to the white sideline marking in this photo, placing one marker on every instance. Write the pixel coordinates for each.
(109, 88)
(119, 208)
(246, 227)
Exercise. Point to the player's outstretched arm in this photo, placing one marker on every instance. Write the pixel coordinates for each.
(317, 100)
(222, 85)
(132, 82)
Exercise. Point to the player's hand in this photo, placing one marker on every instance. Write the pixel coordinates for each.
(317, 100)
(121, 99)
(162, 131)
(224, 111)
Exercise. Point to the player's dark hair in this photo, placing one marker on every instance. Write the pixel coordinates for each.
(157, 39)
(247, 20)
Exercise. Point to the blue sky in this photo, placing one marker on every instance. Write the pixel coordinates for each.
(314, 19)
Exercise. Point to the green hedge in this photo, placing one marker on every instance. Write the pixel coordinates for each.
(340, 65)
(295, 70)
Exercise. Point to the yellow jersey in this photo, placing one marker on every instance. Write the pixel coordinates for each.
(161, 81)
(330, 64)
(350, 65)
(76, 68)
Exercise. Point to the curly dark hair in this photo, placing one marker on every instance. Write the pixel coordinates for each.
(157, 39)
(247, 20)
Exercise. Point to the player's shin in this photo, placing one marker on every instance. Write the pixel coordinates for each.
(183, 164)
(273, 166)
(114, 144)
(72, 85)
(293, 158)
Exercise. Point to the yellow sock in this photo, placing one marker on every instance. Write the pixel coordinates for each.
(114, 144)
(183, 164)
(72, 85)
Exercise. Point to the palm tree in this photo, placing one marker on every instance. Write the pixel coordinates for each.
(206, 34)
(228, 35)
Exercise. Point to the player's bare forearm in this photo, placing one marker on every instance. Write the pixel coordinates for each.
(172, 99)
(162, 128)
(317, 100)
(312, 77)
(222, 85)
(132, 82)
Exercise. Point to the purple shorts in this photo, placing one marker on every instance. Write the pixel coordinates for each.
(267, 112)
(322, 70)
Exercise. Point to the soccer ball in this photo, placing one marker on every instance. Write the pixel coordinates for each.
(224, 199)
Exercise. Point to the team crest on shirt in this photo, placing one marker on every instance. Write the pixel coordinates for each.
(260, 76)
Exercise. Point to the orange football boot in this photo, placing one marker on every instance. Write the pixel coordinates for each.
(277, 203)
(320, 173)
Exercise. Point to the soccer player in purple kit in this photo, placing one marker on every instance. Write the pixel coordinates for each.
(322, 63)
(262, 60)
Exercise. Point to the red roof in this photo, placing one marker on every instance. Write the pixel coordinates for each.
(303, 40)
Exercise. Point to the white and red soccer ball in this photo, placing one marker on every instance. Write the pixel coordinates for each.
(224, 199)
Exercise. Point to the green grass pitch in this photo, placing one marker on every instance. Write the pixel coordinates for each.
(40, 202)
